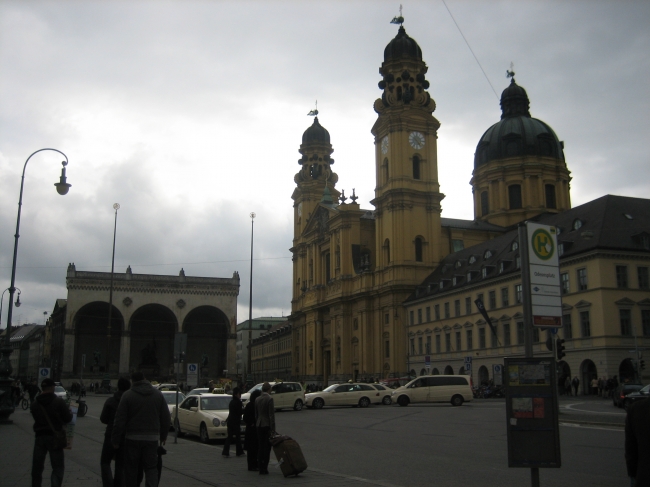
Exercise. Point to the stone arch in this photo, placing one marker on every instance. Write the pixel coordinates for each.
(462, 370)
(483, 375)
(449, 370)
(152, 328)
(207, 329)
(423, 372)
(626, 370)
(563, 371)
(412, 374)
(587, 372)
(435, 371)
(90, 326)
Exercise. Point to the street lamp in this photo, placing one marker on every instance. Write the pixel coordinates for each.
(17, 304)
(116, 207)
(250, 302)
(62, 187)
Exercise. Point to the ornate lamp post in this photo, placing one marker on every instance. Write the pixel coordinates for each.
(62, 187)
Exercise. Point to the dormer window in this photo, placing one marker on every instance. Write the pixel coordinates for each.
(453, 281)
(514, 246)
(487, 254)
(458, 264)
(560, 249)
(472, 259)
(503, 265)
(558, 230)
(469, 276)
(518, 262)
(441, 285)
(484, 272)
(577, 224)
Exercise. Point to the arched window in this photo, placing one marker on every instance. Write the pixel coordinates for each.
(418, 249)
(385, 171)
(514, 196)
(550, 196)
(416, 167)
(485, 207)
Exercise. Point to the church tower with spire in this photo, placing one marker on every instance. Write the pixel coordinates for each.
(407, 192)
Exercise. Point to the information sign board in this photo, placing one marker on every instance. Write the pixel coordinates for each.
(531, 410)
(44, 373)
(497, 374)
(192, 375)
(468, 363)
(427, 361)
(544, 272)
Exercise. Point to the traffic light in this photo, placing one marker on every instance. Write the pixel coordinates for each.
(560, 348)
(642, 364)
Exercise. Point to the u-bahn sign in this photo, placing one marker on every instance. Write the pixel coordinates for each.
(544, 271)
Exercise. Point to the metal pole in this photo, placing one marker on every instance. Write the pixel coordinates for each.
(116, 207)
(250, 302)
(527, 312)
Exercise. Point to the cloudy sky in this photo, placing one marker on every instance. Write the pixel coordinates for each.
(190, 115)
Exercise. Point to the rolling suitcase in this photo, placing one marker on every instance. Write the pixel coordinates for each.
(289, 455)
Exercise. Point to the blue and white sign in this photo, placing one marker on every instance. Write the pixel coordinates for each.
(44, 373)
(192, 375)
(497, 374)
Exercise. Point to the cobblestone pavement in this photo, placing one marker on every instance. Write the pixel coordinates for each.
(187, 463)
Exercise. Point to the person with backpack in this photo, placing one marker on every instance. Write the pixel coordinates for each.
(50, 414)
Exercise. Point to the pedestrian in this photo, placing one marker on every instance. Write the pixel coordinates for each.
(250, 438)
(265, 424)
(142, 420)
(576, 383)
(33, 391)
(594, 385)
(82, 393)
(233, 423)
(567, 385)
(50, 414)
(637, 443)
(108, 452)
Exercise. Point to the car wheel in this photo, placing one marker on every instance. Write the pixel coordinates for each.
(403, 401)
(364, 402)
(297, 406)
(204, 434)
(318, 403)
(457, 400)
(387, 401)
(177, 427)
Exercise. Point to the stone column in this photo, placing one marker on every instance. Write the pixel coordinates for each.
(68, 353)
(125, 352)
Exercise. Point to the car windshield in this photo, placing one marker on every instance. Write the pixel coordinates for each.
(171, 398)
(330, 388)
(199, 391)
(645, 388)
(214, 403)
(258, 387)
(59, 389)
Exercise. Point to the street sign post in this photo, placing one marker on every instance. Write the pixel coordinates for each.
(497, 374)
(544, 272)
(44, 373)
(468, 363)
(192, 375)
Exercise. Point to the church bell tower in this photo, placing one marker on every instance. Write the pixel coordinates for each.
(407, 192)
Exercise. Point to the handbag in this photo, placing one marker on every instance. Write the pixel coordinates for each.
(60, 437)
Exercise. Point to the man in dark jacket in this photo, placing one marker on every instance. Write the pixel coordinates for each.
(142, 419)
(235, 410)
(108, 452)
(637, 443)
(250, 440)
(265, 422)
(48, 405)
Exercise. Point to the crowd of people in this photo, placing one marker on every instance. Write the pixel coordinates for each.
(603, 387)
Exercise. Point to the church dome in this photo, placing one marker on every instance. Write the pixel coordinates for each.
(402, 46)
(517, 134)
(316, 134)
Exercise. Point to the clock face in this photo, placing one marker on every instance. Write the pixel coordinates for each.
(416, 139)
(384, 145)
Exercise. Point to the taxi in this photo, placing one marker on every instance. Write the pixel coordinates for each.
(203, 415)
(348, 394)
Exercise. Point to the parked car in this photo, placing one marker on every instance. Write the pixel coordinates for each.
(384, 396)
(639, 395)
(455, 389)
(348, 394)
(170, 398)
(204, 415)
(61, 392)
(167, 387)
(622, 391)
(285, 395)
(199, 390)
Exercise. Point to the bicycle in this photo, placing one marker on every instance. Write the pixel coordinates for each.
(24, 402)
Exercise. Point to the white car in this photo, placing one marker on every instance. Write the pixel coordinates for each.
(170, 399)
(203, 415)
(285, 395)
(61, 392)
(349, 394)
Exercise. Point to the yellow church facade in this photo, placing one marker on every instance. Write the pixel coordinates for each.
(353, 267)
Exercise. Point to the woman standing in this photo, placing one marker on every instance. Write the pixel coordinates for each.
(250, 438)
(108, 452)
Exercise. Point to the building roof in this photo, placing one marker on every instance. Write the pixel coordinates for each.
(471, 225)
(606, 223)
(316, 134)
(402, 46)
(24, 331)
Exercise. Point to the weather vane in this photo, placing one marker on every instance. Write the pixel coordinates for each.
(314, 112)
(398, 20)
(509, 72)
